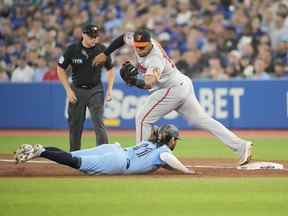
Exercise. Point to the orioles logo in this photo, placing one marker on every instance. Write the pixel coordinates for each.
(138, 37)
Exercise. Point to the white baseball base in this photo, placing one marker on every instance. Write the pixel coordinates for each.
(261, 165)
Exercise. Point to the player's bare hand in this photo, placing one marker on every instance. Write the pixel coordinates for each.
(191, 172)
(100, 59)
(109, 96)
(71, 96)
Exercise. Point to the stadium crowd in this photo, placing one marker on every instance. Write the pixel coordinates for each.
(207, 39)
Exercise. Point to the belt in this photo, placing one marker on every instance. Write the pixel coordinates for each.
(85, 86)
(128, 163)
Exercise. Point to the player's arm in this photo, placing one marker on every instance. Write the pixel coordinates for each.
(154, 70)
(152, 77)
(115, 44)
(63, 63)
(174, 163)
(65, 82)
(110, 78)
(63, 77)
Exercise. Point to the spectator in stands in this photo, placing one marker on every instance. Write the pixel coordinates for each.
(36, 30)
(45, 27)
(112, 21)
(23, 72)
(277, 30)
(40, 69)
(280, 71)
(245, 46)
(229, 39)
(283, 50)
(191, 65)
(184, 14)
(3, 75)
(264, 39)
(285, 47)
(233, 68)
(254, 29)
(246, 67)
(264, 52)
(260, 67)
(240, 20)
(178, 59)
(51, 74)
(215, 70)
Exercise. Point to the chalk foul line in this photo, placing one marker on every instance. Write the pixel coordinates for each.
(188, 166)
(32, 161)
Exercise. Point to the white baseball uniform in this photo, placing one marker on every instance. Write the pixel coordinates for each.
(174, 91)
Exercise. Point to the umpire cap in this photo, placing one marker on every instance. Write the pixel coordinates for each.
(91, 30)
(166, 133)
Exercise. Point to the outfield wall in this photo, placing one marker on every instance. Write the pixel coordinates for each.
(237, 104)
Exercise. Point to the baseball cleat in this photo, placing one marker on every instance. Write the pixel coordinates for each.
(38, 149)
(27, 152)
(22, 152)
(246, 154)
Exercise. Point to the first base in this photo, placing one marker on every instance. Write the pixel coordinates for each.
(261, 166)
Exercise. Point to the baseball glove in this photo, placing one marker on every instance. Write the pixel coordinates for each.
(128, 73)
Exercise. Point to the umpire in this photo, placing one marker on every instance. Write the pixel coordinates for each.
(86, 89)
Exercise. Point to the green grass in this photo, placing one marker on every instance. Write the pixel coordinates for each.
(144, 196)
(147, 196)
(196, 147)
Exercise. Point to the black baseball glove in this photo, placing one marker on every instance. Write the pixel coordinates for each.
(128, 73)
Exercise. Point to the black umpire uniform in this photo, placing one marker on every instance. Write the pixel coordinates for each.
(88, 88)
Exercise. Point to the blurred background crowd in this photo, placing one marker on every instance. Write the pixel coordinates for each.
(207, 39)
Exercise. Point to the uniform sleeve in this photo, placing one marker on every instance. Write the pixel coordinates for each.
(109, 64)
(164, 148)
(153, 62)
(174, 163)
(65, 59)
(128, 38)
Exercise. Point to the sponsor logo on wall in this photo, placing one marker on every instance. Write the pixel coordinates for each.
(213, 100)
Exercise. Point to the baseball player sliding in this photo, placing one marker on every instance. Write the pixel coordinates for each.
(170, 90)
(107, 159)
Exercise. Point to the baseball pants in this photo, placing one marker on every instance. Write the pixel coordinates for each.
(182, 99)
(94, 100)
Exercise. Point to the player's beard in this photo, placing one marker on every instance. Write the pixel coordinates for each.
(142, 55)
(145, 53)
(172, 147)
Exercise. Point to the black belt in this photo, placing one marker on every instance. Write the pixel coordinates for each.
(85, 86)
(128, 164)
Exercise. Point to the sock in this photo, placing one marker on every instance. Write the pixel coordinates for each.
(53, 149)
(61, 157)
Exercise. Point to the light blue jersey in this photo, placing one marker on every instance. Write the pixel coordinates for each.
(104, 159)
(113, 159)
(145, 157)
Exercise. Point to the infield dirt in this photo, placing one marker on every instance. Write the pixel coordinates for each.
(203, 167)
